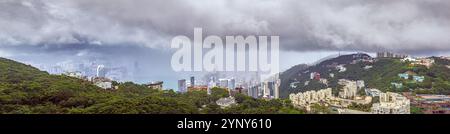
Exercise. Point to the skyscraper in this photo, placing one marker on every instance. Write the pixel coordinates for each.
(265, 89)
(182, 85)
(212, 82)
(223, 83)
(192, 81)
(271, 88)
(232, 83)
(277, 89)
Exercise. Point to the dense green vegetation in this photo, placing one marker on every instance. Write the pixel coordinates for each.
(286, 78)
(27, 90)
(320, 109)
(416, 110)
(383, 72)
(301, 74)
(360, 107)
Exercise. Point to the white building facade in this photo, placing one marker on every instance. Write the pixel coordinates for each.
(391, 103)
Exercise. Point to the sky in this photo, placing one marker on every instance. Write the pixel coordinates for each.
(119, 31)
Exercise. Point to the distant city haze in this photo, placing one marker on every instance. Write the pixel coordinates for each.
(235, 53)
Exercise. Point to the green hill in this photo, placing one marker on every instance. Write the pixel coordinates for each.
(27, 90)
(382, 72)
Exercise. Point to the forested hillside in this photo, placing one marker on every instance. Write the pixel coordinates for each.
(380, 75)
(27, 90)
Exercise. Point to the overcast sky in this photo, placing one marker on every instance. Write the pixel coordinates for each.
(398, 25)
(84, 27)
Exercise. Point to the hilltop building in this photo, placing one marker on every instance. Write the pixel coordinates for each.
(404, 76)
(76, 74)
(428, 62)
(323, 81)
(367, 67)
(314, 75)
(418, 78)
(341, 68)
(294, 84)
(397, 84)
(155, 85)
(390, 55)
(102, 82)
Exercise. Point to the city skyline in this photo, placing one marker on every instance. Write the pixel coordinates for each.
(51, 32)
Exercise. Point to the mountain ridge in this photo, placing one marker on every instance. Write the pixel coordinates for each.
(380, 73)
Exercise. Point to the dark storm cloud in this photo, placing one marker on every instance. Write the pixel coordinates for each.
(413, 26)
